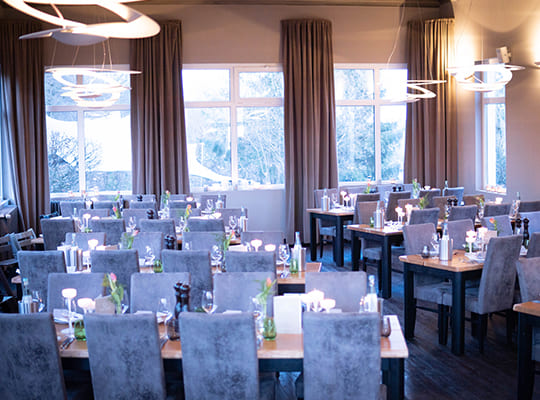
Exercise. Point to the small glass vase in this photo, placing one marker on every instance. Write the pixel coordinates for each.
(269, 328)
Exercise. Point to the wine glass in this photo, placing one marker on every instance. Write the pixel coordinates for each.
(69, 294)
(163, 310)
(435, 242)
(284, 254)
(258, 316)
(209, 204)
(217, 255)
(38, 299)
(180, 224)
(149, 257)
(131, 224)
(207, 302)
(233, 222)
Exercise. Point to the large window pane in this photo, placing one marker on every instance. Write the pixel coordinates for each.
(261, 84)
(353, 84)
(492, 77)
(260, 144)
(393, 84)
(63, 151)
(54, 91)
(355, 143)
(209, 152)
(393, 119)
(110, 78)
(107, 150)
(495, 125)
(206, 84)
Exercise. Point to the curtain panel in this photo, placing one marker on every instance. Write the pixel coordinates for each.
(158, 128)
(22, 110)
(310, 121)
(431, 136)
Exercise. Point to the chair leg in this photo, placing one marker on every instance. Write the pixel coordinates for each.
(413, 315)
(321, 239)
(364, 266)
(510, 325)
(482, 331)
(474, 325)
(443, 323)
(379, 274)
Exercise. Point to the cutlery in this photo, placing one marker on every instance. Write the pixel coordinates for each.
(65, 344)
(162, 341)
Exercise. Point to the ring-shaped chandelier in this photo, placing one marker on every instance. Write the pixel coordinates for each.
(468, 78)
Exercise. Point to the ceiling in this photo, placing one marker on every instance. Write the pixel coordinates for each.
(374, 3)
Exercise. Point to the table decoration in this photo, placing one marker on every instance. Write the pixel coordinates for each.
(423, 202)
(415, 188)
(116, 213)
(493, 221)
(127, 239)
(116, 291)
(269, 325)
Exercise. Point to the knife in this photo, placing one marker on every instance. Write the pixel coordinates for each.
(65, 344)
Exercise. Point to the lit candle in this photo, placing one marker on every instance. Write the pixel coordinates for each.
(92, 244)
(69, 293)
(256, 243)
(189, 198)
(343, 193)
(328, 304)
(316, 295)
(482, 233)
(270, 247)
(470, 239)
(498, 200)
(87, 304)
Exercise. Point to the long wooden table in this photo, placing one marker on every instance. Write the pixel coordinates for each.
(528, 318)
(338, 217)
(286, 353)
(458, 271)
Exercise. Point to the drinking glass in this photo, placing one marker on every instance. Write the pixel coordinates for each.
(163, 310)
(435, 242)
(284, 254)
(131, 224)
(233, 223)
(180, 224)
(209, 204)
(38, 298)
(207, 302)
(217, 255)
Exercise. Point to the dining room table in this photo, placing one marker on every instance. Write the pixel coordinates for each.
(284, 354)
(528, 319)
(458, 271)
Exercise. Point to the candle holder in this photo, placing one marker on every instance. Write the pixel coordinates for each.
(69, 294)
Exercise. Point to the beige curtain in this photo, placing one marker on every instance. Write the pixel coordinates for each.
(22, 113)
(310, 122)
(158, 126)
(431, 138)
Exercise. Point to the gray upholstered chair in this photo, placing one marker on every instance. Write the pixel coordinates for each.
(165, 226)
(534, 246)
(182, 204)
(148, 289)
(197, 263)
(403, 202)
(54, 231)
(529, 206)
(346, 288)
(123, 263)
(360, 197)
(154, 240)
(472, 199)
(326, 228)
(199, 224)
(528, 271)
(30, 362)
(81, 239)
(441, 202)
(393, 198)
(214, 197)
(333, 343)
(174, 197)
(495, 292)
(125, 356)
(363, 212)
(138, 214)
(128, 198)
(37, 265)
(429, 194)
(456, 192)
(504, 225)
(144, 205)
(534, 220)
(275, 238)
(491, 210)
(425, 216)
(87, 285)
(463, 212)
(234, 290)
(70, 209)
(223, 349)
(457, 230)
(202, 240)
(177, 212)
(226, 213)
(250, 261)
(99, 213)
(104, 204)
(113, 228)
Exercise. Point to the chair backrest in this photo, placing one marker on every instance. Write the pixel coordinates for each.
(497, 283)
(275, 238)
(360, 189)
(472, 199)
(360, 197)
(333, 342)
(403, 202)
(6, 249)
(529, 206)
(87, 285)
(154, 240)
(504, 225)
(346, 288)
(250, 261)
(226, 213)
(441, 202)
(319, 194)
(456, 192)
(174, 197)
(429, 194)
(133, 197)
(197, 263)
(234, 290)
(113, 228)
(363, 211)
(200, 224)
(30, 362)
(528, 271)
(491, 210)
(424, 216)
(463, 212)
(214, 197)
(417, 236)
(177, 212)
(106, 204)
(183, 204)
(93, 212)
(125, 357)
(393, 198)
(54, 231)
(70, 209)
(165, 226)
(22, 241)
(223, 349)
(37, 265)
(202, 240)
(123, 263)
(457, 230)
(148, 289)
(137, 213)
(144, 205)
(534, 245)
(534, 220)
(81, 239)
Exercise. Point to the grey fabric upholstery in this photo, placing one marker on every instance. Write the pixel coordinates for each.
(30, 362)
(491, 210)
(113, 228)
(430, 194)
(203, 240)
(472, 199)
(403, 202)
(227, 212)
(144, 205)
(503, 224)
(214, 197)
(137, 213)
(223, 349)
(441, 202)
(54, 231)
(456, 192)
(234, 290)
(363, 212)
(529, 206)
(182, 204)
(346, 288)
(174, 197)
(197, 263)
(250, 261)
(199, 224)
(417, 236)
(165, 226)
(177, 212)
(122, 262)
(87, 285)
(128, 198)
(37, 265)
(534, 220)
(100, 212)
(427, 215)
(104, 204)
(333, 344)
(528, 271)
(463, 212)
(70, 209)
(275, 238)
(360, 197)
(125, 357)
(393, 198)
(148, 289)
(82, 238)
(152, 239)
(534, 245)
(457, 230)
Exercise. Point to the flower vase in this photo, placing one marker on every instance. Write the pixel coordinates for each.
(269, 326)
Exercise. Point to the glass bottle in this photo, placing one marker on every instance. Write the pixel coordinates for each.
(219, 202)
(243, 220)
(526, 232)
(371, 301)
(26, 299)
(295, 256)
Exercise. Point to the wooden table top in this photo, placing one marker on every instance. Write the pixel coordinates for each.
(386, 231)
(459, 262)
(286, 346)
(340, 212)
(530, 307)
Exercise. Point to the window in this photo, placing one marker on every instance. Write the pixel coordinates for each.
(88, 148)
(494, 136)
(234, 124)
(370, 122)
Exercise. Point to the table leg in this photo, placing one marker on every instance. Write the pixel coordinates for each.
(408, 302)
(394, 377)
(525, 363)
(313, 237)
(458, 313)
(355, 252)
(338, 254)
(386, 266)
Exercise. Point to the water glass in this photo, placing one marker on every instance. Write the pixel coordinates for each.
(207, 302)
(210, 204)
(233, 223)
(217, 255)
(37, 298)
